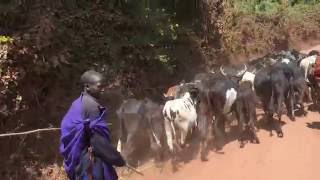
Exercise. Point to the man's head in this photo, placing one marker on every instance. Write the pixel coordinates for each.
(93, 83)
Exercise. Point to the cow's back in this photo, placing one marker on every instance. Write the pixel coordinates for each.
(131, 114)
(262, 83)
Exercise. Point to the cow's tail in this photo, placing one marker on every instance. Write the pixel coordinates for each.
(247, 104)
(272, 100)
(291, 86)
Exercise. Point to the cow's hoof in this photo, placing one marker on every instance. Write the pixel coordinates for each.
(204, 159)
(280, 134)
(292, 118)
(218, 148)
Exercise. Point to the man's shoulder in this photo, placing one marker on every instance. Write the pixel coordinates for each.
(88, 101)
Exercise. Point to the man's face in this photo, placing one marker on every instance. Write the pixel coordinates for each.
(97, 88)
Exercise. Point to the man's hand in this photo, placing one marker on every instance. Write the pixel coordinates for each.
(105, 151)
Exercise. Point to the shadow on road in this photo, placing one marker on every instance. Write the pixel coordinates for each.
(313, 125)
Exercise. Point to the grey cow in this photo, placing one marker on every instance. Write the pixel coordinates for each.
(139, 118)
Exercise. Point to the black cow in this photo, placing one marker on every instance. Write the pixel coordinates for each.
(139, 118)
(245, 108)
(218, 95)
(274, 86)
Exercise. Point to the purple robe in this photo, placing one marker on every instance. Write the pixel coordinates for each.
(75, 137)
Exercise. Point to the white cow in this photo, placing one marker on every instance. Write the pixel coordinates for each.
(306, 63)
(180, 113)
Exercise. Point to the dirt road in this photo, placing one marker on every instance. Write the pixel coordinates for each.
(294, 157)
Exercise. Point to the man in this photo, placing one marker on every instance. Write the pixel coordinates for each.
(85, 136)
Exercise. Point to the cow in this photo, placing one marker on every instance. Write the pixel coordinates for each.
(245, 108)
(220, 96)
(306, 63)
(138, 118)
(217, 95)
(274, 86)
(180, 115)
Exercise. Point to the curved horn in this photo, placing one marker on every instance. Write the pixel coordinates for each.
(222, 71)
(191, 83)
(243, 71)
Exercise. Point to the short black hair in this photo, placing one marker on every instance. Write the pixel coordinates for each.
(91, 77)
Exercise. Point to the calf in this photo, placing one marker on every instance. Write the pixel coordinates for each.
(246, 112)
(180, 113)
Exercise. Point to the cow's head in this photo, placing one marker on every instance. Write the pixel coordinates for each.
(314, 52)
(192, 88)
(235, 73)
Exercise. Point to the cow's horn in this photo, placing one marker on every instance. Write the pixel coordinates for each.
(192, 83)
(243, 71)
(222, 71)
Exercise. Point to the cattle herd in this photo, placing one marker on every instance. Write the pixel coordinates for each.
(279, 82)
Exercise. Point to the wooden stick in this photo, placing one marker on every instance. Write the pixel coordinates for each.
(29, 132)
(34, 131)
(134, 170)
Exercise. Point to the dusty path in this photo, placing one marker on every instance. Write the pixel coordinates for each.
(307, 50)
(295, 157)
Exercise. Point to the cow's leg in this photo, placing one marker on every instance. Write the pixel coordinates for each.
(280, 99)
(254, 132)
(252, 124)
(206, 136)
(241, 123)
(183, 136)
(309, 92)
(290, 106)
(242, 134)
(205, 129)
(219, 130)
(269, 118)
(128, 147)
(155, 144)
(167, 126)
